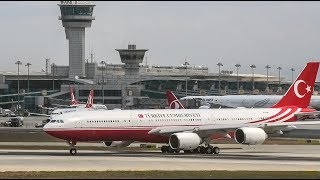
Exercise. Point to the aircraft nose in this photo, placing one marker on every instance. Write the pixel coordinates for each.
(45, 127)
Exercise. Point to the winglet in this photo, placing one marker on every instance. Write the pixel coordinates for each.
(299, 93)
(174, 103)
(90, 100)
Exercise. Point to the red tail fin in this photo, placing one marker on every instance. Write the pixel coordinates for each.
(90, 100)
(174, 103)
(299, 93)
(73, 99)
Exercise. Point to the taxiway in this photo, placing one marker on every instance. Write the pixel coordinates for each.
(258, 158)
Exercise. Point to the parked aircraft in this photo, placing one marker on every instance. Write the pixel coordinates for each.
(75, 103)
(87, 106)
(248, 101)
(74, 107)
(188, 129)
(174, 102)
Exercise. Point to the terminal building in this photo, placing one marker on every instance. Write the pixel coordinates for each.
(127, 85)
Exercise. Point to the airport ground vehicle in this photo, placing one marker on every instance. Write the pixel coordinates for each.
(44, 122)
(7, 113)
(13, 122)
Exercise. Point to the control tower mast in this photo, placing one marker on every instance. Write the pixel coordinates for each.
(131, 57)
(76, 16)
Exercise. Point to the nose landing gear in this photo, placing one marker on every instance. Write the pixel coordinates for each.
(73, 150)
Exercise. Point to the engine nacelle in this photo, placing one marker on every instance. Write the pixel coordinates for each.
(250, 135)
(117, 143)
(184, 141)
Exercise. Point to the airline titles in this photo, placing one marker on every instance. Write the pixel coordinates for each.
(171, 115)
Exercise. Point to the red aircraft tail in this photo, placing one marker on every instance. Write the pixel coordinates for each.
(73, 99)
(174, 103)
(299, 93)
(90, 100)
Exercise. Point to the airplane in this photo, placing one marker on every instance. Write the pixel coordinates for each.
(247, 101)
(74, 107)
(87, 106)
(190, 130)
(75, 104)
(174, 102)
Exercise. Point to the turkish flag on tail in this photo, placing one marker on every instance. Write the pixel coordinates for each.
(299, 93)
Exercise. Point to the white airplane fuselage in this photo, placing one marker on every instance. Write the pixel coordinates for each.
(134, 125)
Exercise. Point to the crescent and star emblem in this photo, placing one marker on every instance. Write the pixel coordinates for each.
(295, 88)
(175, 104)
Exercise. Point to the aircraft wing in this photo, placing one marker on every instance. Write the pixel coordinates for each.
(61, 105)
(174, 129)
(207, 130)
(306, 115)
(39, 114)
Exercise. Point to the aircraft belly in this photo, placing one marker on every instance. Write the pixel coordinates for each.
(108, 135)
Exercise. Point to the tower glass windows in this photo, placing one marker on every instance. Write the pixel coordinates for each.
(77, 10)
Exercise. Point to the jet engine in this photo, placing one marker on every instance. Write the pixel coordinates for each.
(250, 135)
(185, 141)
(117, 143)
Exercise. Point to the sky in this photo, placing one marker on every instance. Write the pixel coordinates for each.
(284, 34)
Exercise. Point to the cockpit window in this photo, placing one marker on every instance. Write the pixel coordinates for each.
(56, 121)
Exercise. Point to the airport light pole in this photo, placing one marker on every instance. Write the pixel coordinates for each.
(186, 64)
(219, 64)
(238, 65)
(252, 67)
(292, 74)
(267, 67)
(279, 68)
(102, 63)
(28, 64)
(53, 65)
(18, 63)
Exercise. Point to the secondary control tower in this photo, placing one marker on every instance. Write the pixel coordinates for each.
(75, 17)
(131, 57)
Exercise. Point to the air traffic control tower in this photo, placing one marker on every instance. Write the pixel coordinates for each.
(132, 57)
(76, 16)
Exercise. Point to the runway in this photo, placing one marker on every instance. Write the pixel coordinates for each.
(260, 158)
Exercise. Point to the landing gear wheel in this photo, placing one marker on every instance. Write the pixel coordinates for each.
(164, 149)
(196, 150)
(202, 150)
(177, 151)
(187, 151)
(209, 150)
(73, 151)
(170, 150)
(216, 150)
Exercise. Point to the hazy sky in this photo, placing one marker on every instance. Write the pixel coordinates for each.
(282, 34)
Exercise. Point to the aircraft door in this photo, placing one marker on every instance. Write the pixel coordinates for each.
(212, 119)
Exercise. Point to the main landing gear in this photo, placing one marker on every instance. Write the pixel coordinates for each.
(73, 150)
(200, 149)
